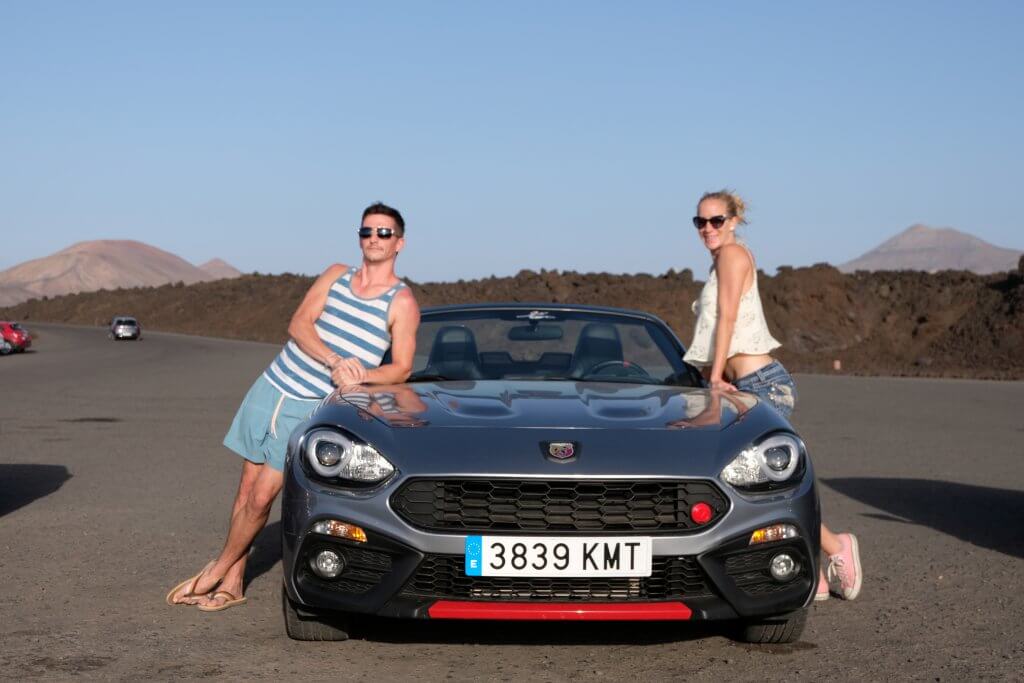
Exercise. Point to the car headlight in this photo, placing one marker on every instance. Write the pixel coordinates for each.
(767, 464)
(333, 455)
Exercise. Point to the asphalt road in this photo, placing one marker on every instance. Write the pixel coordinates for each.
(114, 486)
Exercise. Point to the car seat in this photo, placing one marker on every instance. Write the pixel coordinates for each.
(598, 343)
(454, 354)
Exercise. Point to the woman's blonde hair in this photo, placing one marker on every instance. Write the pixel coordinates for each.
(737, 207)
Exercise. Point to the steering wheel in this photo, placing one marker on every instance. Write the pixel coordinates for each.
(624, 369)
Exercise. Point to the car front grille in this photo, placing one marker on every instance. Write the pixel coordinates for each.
(580, 506)
(444, 577)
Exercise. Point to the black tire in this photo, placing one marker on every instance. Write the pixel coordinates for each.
(786, 628)
(5, 347)
(308, 626)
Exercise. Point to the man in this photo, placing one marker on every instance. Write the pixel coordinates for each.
(339, 334)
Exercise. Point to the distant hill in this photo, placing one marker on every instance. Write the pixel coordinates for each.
(102, 264)
(933, 249)
(219, 269)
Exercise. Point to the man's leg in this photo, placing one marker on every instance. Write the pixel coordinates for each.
(232, 582)
(248, 517)
(250, 473)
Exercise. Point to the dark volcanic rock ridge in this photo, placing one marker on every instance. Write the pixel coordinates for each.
(947, 324)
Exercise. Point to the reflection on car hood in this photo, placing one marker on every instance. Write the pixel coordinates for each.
(544, 404)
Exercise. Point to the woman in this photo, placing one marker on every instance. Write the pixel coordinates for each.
(731, 343)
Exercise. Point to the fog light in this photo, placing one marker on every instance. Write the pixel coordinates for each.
(327, 564)
(783, 567)
(332, 527)
(775, 532)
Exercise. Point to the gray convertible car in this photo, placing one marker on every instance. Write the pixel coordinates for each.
(548, 462)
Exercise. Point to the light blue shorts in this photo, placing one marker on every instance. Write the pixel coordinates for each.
(259, 433)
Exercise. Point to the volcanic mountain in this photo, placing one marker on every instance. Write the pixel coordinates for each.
(219, 269)
(933, 249)
(103, 264)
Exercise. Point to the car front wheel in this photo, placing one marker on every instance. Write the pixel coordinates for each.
(5, 347)
(786, 628)
(303, 625)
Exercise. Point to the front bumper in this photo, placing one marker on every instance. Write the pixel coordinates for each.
(401, 571)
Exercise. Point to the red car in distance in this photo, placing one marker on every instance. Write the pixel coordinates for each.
(13, 338)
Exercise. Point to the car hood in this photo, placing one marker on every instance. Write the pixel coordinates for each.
(544, 405)
(506, 428)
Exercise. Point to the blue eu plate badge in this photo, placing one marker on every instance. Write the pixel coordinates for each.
(474, 555)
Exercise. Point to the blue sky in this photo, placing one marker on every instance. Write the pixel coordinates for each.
(569, 135)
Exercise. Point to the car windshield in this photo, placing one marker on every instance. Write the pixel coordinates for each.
(17, 326)
(125, 321)
(530, 344)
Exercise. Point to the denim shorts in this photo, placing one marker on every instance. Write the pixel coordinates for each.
(259, 433)
(773, 385)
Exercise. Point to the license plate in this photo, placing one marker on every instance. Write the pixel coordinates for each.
(571, 556)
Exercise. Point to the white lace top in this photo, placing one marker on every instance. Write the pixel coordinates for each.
(750, 336)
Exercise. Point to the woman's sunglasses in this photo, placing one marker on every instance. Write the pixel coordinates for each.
(716, 222)
(382, 233)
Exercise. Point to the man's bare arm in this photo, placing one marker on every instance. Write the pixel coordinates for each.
(405, 320)
(301, 328)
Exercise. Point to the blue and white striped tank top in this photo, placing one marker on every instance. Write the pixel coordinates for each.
(350, 326)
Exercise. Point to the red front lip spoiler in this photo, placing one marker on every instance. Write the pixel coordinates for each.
(519, 611)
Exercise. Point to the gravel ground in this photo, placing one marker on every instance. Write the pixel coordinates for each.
(114, 486)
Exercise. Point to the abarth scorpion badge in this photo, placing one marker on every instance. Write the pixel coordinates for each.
(561, 450)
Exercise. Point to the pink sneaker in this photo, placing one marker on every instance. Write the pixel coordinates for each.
(822, 592)
(844, 574)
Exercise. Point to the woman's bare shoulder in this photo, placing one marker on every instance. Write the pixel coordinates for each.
(732, 251)
(733, 258)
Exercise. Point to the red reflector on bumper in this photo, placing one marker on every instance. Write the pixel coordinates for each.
(641, 611)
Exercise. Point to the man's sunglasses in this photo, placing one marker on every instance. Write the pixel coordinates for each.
(382, 233)
(716, 222)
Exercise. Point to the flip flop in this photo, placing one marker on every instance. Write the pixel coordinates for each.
(191, 583)
(230, 601)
